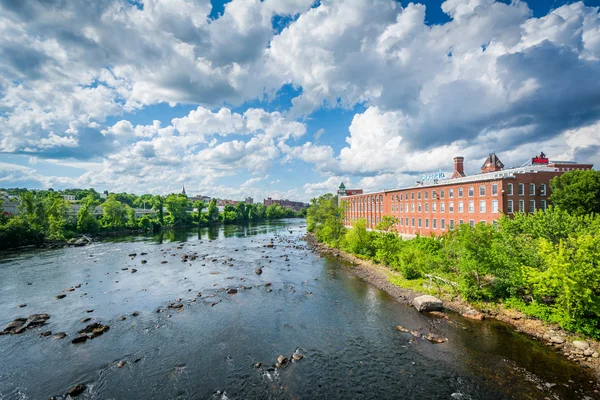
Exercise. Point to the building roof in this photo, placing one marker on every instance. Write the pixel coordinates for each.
(492, 160)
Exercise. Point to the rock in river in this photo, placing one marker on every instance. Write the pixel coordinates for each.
(428, 303)
(59, 335)
(79, 339)
(400, 328)
(76, 390)
(297, 356)
(61, 296)
(231, 291)
(258, 270)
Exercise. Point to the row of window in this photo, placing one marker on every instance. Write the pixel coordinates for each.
(532, 208)
(404, 207)
(442, 193)
(521, 188)
(410, 222)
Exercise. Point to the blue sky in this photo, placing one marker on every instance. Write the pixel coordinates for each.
(286, 98)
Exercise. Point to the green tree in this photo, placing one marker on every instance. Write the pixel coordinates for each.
(158, 205)
(86, 221)
(200, 205)
(326, 219)
(114, 216)
(56, 212)
(177, 206)
(213, 212)
(577, 192)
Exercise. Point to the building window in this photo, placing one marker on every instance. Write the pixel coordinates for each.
(426, 195)
(472, 224)
(412, 195)
(461, 221)
(509, 207)
(426, 207)
(521, 206)
(531, 206)
(532, 189)
(471, 191)
(433, 194)
(413, 222)
(509, 189)
(434, 223)
(471, 206)
(521, 189)
(419, 196)
(426, 222)
(450, 206)
(451, 224)
(450, 193)
(442, 207)
(412, 207)
(406, 222)
(419, 207)
(495, 206)
(434, 207)
(419, 222)
(543, 204)
(494, 189)
(542, 189)
(482, 190)
(460, 192)
(481, 206)
(442, 224)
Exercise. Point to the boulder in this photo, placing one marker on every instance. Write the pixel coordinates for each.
(80, 339)
(121, 364)
(435, 338)
(37, 320)
(76, 390)
(281, 360)
(46, 333)
(428, 303)
(581, 344)
(61, 296)
(297, 356)
(59, 335)
(557, 339)
(15, 326)
(258, 271)
(400, 328)
(231, 291)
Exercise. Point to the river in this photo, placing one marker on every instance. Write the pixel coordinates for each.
(314, 306)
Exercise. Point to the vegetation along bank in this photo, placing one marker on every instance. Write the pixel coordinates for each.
(44, 216)
(540, 272)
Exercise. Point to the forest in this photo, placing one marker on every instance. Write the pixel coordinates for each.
(44, 215)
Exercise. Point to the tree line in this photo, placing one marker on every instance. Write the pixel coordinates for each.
(43, 215)
(545, 264)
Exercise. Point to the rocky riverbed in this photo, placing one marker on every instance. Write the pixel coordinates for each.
(245, 312)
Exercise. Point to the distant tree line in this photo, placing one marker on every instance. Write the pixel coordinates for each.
(546, 264)
(44, 214)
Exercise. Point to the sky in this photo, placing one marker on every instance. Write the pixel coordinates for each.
(288, 98)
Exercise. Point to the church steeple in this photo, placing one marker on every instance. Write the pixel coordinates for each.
(183, 191)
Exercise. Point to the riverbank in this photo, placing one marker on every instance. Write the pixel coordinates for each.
(584, 351)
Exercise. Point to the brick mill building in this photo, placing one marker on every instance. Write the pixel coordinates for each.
(436, 204)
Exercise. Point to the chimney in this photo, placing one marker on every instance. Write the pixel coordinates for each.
(459, 169)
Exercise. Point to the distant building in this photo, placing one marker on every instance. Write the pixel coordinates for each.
(294, 205)
(68, 197)
(205, 199)
(249, 200)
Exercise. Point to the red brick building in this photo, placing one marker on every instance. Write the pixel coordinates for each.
(436, 204)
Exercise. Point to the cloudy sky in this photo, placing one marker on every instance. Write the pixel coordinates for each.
(286, 98)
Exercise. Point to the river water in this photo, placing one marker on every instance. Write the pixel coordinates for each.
(314, 306)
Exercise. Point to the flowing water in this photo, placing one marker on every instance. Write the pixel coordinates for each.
(314, 306)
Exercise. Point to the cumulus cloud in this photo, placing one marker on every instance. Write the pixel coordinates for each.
(493, 78)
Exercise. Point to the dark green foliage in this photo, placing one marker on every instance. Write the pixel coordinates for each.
(577, 192)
